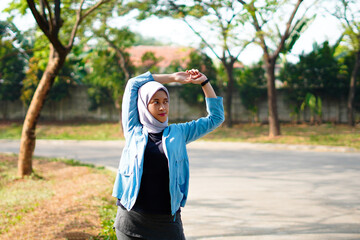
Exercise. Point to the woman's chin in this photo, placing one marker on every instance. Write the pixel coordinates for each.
(162, 120)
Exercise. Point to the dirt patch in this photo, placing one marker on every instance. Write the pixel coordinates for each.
(72, 211)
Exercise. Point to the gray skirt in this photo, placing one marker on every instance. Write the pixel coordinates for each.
(149, 226)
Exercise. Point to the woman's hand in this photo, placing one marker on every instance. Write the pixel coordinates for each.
(190, 76)
(196, 76)
(182, 77)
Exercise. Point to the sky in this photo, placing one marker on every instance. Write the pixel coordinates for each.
(178, 33)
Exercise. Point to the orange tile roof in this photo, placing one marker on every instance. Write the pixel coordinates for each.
(166, 54)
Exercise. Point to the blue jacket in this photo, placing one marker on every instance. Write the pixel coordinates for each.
(175, 138)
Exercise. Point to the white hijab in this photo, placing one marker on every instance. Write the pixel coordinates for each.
(145, 93)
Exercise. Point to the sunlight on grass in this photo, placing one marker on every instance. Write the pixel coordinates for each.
(326, 134)
(21, 197)
(10, 131)
(18, 196)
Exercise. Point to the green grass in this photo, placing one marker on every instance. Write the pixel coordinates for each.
(325, 134)
(78, 131)
(107, 214)
(72, 162)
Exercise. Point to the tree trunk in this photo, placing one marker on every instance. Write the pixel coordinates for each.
(274, 126)
(28, 135)
(350, 103)
(118, 106)
(229, 91)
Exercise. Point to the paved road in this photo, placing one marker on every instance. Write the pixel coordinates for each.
(251, 191)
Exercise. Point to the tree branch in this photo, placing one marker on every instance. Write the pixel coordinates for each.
(287, 31)
(243, 48)
(41, 21)
(80, 18)
(23, 52)
(75, 28)
(42, 11)
(57, 11)
(44, 26)
(196, 32)
(119, 54)
(203, 39)
(51, 20)
(252, 11)
(224, 31)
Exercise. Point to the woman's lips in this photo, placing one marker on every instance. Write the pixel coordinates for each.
(162, 114)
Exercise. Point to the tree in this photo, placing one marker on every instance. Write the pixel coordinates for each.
(50, 17)
(262, 14)
(348, 13)
(224, 18)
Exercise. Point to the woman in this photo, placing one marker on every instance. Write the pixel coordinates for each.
(153, 176)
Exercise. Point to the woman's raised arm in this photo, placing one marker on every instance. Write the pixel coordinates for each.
(214, 106)
(129, 113)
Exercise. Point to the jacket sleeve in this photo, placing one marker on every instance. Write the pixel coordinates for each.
(130, 115)
(196, 129)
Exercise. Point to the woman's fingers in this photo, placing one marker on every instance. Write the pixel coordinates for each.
(194, 73)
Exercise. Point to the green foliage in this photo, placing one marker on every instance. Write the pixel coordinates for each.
(251, 84)
(107, 71)
(149, 62)
(60, 88)
(19, 5)
(69, 74)
(317, 73)
(12, 61)
(300, 26)
(146, 41)
(11, 71)
(106, 79)
(315, 105)
(348, 13)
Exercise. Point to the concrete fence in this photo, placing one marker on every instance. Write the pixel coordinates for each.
(75, 108)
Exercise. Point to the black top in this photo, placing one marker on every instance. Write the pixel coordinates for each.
(154, 195)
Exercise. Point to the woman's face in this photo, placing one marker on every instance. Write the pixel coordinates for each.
(159, 106)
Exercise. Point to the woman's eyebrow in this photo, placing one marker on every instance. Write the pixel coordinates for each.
(158, 99)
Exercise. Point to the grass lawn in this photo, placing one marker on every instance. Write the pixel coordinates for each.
(63, 199)
(303, 134)
(325, 134)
